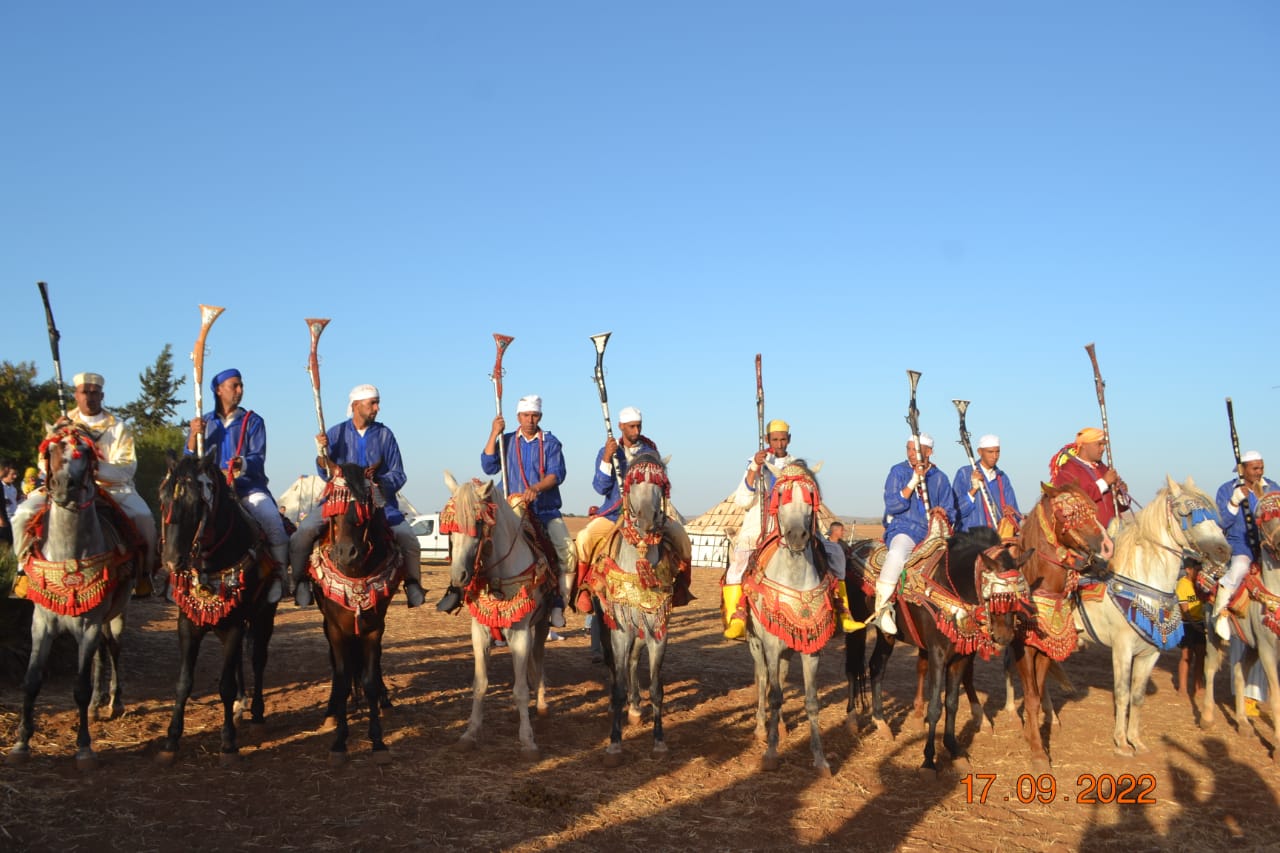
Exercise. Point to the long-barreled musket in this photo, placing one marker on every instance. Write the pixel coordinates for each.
(600, 342)
(761, 499)
(988, 501)
(1252, 536)
(54, 337)
(315, 325)
(913, 421)
(502, 342)
(208, 313)
(1101, 388)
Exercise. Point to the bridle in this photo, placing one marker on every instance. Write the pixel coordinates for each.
(785, 490)
(198, 492)
(80, 445)
(644, 471)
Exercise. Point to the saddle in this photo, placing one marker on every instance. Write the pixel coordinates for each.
(868, 560)
(802, 619)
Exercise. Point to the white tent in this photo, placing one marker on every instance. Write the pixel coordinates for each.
(712, 533)
(301, 497)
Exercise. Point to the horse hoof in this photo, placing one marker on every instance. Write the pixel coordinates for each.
(329, 724)
(1125, 751)
(530, 753)
(465, 744)
(337, 759)
(851, 725)
(256, 732)
(87, 762)
(961, 765)
(660, 749)
(18, 757)
(987, 726)
(166, 759)
(1041, 765)
(927, 774)
(882, 729)
(612, 760)
(542, 710)
(633, 717)
(769, 763)
(382, 757)
(822, 771)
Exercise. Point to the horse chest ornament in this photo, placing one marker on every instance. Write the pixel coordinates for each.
(803, 619)
(498, 602)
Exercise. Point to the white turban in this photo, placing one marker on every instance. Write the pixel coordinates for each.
(87, 379)
(630, 415)
(988, 440)
(361, 392)
(926, 440)
(529, 403)
(1251, 456)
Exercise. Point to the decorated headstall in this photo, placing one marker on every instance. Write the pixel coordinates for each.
(1071, 510)
(795, 480)
(338, 496)
(1003, 589)
(194, 489)
(80, 440)
(476, 520)
(76, 443)
(1267, 515)
(644, 471)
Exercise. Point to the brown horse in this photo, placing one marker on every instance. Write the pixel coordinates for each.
(1068, 540)
(357, 568)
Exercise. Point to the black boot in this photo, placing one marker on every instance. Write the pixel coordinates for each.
(302, 593)
(413, 593)
(451, 601)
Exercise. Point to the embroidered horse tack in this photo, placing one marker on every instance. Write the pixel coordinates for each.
(357, 594)
(209, 597)
(1153, 613)
(1054, 630)
(804, 619)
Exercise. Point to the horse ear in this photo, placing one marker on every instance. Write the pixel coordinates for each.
(1045, 488)
(170, 459)
(816, 468)
(666, 460)
(1174, 488)
(486, 490)
(450, 482)
(1021, 561)
(1190, 484)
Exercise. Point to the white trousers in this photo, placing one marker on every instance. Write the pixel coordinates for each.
(899, 549)
(309, 531)
(1236, 570)
(265, 512)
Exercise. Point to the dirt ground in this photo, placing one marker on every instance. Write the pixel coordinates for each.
(1214, 790)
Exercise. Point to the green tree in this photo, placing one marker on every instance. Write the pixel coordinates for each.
(152, 446)
(156, 405)
(26, 406)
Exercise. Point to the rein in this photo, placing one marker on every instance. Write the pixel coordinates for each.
(81, 442)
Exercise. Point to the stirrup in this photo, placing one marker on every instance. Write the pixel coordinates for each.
(302, 595)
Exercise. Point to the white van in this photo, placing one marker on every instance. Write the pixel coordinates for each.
(434, 544)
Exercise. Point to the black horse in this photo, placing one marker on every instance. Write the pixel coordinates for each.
(356, 567)
(215, 556)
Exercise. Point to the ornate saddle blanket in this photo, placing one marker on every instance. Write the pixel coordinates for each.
(1054, 630)
(1153, 613)
(868, 559)
(363, 594)
(502, 602)
(962, 622)
(804, 619)
(74, 587)
(1267, 600)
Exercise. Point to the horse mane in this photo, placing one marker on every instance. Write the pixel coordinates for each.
(963, 549)
(1150, 524)
(357, 482)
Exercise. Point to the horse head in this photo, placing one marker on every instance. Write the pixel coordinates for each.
(1004, 592)
(1072, 519)
(353, 536)
(1193, 517)
(191, 489)
(1268, 518)
(71, 464)
(645, 492)
(794, 503)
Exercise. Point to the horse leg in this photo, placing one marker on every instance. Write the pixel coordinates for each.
(1212, 661)
(346, 654)
(855, 673)
(189, 637)
(922, 670)
(43, 631)
(109, 656)
(620, 641)
(633, 682)
(373, 693)
(762, 685)
(1121, 694)
(1267, 654)
(262, 626)
(1240, 678)
(935, 671)
(537, 668)
(1031, 666)
(232, 661)
(955, 675)
(1142, 666)
(879, 663)
(479, 684)
(519, 641)
(809, 664)
(784, 667)
(1010, 709)
(83, 692)
(657, 651)
(772, 648)
(971, 693)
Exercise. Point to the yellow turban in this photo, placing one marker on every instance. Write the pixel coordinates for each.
(778, 426)
(1089, 434)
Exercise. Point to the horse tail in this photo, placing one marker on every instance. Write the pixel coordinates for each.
(855, 659)
(1059, 675)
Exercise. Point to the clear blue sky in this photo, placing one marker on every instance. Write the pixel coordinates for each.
(971, 190)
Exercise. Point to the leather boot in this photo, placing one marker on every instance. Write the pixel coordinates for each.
(847, 623)
(451, 601)
(884, 606)
(735, 625)
(582, 601)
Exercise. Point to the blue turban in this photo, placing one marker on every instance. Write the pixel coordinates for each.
(230, 373)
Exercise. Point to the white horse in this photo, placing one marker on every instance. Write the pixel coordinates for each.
(789, 594)
(507, 583)
(1138, 615)
(638, 566)
(81, 577)
(1258, 628)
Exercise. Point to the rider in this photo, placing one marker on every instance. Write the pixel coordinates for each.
(361, 440)
(117, 462)
(971, 508)
(1231, 497)
(1081, 464)
(775, 456)
(238, 440)
(906, 523)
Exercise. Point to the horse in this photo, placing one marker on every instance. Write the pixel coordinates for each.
(638, 568)
(1258, 625)
(789, 593)
(1068, 540)
(954, 603)
(1135, 610)
(81, 562)
(356, 567)
(215, 556)
(508, 584)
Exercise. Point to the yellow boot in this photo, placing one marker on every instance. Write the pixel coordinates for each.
(19, 589)
(735, 625)
(847, 622)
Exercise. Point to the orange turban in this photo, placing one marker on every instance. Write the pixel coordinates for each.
(1089, 434)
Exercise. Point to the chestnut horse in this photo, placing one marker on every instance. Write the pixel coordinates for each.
(356, 568)
(81, 573)
(214, 554)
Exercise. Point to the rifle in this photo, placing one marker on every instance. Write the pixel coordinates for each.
(54, 337)
(502, 342)
(913, 421)
(1101, 386)
(316, 326)
(1252, 536)
(988, 501)
(762, 499)
(208, 313)
(601, 341)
